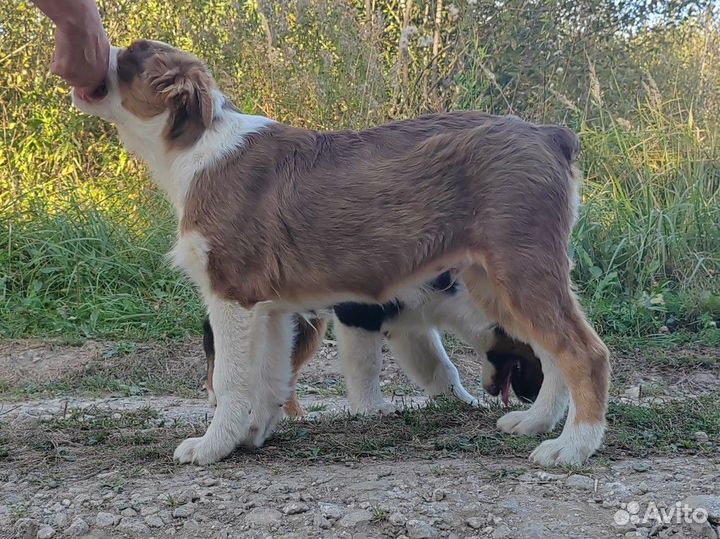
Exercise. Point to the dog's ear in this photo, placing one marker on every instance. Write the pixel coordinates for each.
(184, 85)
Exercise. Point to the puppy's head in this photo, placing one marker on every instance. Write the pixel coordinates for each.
(511, 364)
(154, 91)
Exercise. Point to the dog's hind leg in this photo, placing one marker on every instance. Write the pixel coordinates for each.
(360, 354)
(251, 379)
(422, 356)
(533, 301)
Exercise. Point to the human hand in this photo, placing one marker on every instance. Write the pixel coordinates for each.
(81, 49)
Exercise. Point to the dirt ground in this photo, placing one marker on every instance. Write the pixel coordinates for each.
(87, 433)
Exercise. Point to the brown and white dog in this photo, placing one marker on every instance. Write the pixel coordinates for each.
(412, 334)
(276, 220)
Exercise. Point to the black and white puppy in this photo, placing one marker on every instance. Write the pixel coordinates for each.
(412, 331)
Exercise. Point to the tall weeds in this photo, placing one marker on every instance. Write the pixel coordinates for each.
(82, 232)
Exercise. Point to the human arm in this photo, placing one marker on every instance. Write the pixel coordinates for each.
(81, 45)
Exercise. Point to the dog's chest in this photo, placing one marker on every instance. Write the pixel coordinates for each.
(190, 255)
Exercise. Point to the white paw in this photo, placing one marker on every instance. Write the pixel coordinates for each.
(555, 453)
(201, 451)
(524, 422)
(460, 393)
(377, 408)
(261, 426)
(573, 447)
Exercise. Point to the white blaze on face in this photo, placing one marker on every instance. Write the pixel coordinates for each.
(109, 107)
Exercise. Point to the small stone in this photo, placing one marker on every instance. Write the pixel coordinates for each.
(703, 530)
(295, 508)
(78, 528)
(146, 510)
(475, 523)
(438, 495)
(664, 329)
(166, 516)
(417, 529)
(191, 525)
(210, 482)
(319, 521)
(581, 482)
(643, 487)
(641, 467)
(26, 528)
(128, 512)
(263, 517)
(60, 520)
(356, 517)
(546, 477)
(154, 521)
(45, 532)
(331, 510)
(133, 525)
(103, 520)
(184, 511)
(501, 532)
(397, 519)
(701, 437)
(472, 509)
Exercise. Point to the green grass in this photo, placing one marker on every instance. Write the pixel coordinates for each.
(86, 273)
(164, 368)
(83, 236)
(443, 428)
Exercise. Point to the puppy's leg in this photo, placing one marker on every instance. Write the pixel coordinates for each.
(209, 348)
(459, 314)
(548, 408)
(535, 302)
(360, 354)
(422, 356)
(306, 342)
(250, 379)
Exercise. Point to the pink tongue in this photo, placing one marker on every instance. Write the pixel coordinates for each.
(505, 391)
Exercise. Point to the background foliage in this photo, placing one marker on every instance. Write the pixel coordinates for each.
(82, 232)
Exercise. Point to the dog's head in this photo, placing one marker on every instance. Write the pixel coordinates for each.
(153, 90)
(511, 364)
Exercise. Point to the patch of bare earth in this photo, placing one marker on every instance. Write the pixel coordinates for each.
(87, 434)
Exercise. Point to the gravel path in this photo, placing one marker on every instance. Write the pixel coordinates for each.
(414, 496)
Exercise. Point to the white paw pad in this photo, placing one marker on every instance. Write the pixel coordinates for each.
(200, 451)
(379, 408)
(523, 422)
(573, 447)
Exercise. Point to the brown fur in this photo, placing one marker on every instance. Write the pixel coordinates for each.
(154, 77)
(394, 205)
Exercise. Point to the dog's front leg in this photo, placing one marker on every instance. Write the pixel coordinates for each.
(251, 379)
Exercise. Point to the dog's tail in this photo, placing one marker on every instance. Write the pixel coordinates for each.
(563, 140)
